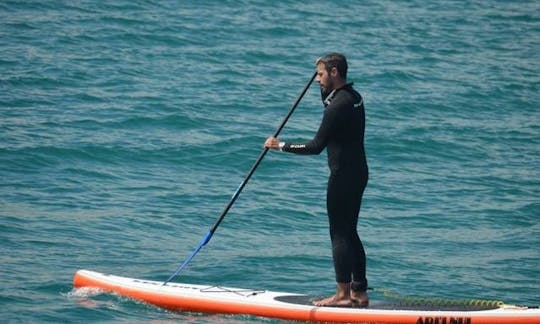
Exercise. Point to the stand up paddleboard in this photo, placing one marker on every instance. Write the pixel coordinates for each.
(224, 300)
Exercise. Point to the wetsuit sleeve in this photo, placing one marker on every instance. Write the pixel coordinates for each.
(319, 142)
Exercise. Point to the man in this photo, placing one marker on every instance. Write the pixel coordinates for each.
(341, 132)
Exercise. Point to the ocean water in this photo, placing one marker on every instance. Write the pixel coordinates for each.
(125, 127)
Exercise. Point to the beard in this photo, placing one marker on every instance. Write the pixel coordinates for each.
(325, 91)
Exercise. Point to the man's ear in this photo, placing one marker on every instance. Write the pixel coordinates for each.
(334, 72)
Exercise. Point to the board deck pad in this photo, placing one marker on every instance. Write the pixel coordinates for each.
(436, 304)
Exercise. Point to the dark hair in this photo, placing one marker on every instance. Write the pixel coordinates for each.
(336, 60)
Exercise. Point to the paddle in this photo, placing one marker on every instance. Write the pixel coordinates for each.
(210, 233)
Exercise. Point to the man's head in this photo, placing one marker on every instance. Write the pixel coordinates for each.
(331, 72)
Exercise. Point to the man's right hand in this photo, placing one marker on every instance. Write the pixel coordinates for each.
(272, 143)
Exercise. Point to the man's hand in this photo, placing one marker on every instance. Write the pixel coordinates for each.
(272, 143)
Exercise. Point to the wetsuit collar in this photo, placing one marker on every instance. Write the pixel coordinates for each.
(330, 96)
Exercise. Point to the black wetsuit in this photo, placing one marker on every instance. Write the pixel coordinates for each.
(342, 133)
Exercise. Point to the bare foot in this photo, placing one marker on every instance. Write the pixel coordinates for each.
(334, 301)
(360, 298)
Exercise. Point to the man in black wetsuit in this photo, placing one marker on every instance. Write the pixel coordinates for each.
(341, 132)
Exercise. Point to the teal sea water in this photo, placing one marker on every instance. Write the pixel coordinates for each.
(125, 127)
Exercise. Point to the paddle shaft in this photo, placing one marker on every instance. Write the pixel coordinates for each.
(261, 157)
(210, 233)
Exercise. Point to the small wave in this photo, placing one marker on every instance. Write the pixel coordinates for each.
(84, 292)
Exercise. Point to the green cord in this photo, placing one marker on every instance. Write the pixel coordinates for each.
(413, 301)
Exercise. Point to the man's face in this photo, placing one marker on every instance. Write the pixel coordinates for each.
(325, 79)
